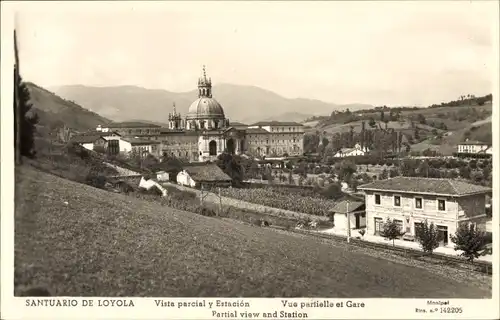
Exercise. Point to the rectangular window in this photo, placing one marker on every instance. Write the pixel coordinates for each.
(441, 205)
(377, 199)
(418, 203)
(397, 201)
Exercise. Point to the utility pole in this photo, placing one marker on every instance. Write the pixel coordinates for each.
(201, 195)
(220, 202)
(348, 223)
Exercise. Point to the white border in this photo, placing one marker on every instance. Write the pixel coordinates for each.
(145, 307)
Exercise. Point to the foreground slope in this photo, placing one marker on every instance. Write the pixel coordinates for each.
(105, 244)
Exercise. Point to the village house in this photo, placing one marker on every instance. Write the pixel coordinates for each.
(162, 176)
(474, 147)
(131, 128)
(90, 142)
(108, 142)
(352, 152)
(410, 200)
(139, 146)
(195, 175)
(348, 208)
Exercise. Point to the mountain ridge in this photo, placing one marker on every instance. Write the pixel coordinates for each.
(242, 103)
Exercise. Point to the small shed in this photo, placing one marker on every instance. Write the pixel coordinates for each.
(203, 174)
(348, 208)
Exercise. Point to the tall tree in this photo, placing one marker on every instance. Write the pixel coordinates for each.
(351, 136)
(231, 165)
(428, 236)
(25, 124)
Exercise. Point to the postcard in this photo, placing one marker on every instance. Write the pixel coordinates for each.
(250, 160)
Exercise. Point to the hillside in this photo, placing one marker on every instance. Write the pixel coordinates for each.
(55, 111)
(447, 145)
(246, 104)
(440, 127)
(93, 244)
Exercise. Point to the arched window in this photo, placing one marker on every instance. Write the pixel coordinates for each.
(212, 148)
(230, 146)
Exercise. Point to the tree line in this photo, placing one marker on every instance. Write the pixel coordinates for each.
(467, 238)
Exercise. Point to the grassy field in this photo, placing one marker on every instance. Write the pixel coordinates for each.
(106, 244)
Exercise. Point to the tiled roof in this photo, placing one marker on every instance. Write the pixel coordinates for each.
(256, 131)
(237, 124)
(137, 141)
(179, 132)
(347, 150)
(473, 142)
(448, 187)
(277, 123)
(99, 133)
(132, 125)
(86, 138)
(345, 206)
(206, 172)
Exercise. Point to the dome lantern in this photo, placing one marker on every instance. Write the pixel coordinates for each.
(204, 85)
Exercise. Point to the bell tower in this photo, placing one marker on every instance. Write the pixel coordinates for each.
(204, 86)
(174, 119)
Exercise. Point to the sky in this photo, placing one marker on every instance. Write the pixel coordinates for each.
(380, 53)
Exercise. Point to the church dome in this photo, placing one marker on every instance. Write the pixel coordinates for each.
(205, 108)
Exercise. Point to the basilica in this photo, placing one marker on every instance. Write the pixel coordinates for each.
(205, 132)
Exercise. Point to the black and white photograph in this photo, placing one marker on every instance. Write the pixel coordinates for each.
(219, 149)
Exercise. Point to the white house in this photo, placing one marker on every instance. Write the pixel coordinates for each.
(162, 176)
(89, 142)
(410, 201)
(348, 209)
(349, 152)
(148, 184)
(474, 147)
(131, 144)
(184, 179)
(364, 149)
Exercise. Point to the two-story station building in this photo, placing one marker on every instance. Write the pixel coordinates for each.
(411, 200)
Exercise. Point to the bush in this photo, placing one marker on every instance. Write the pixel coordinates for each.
(96, 181)
(204, 211)
(152, 191)
(391, 230)
(124, 187)
(261, 223)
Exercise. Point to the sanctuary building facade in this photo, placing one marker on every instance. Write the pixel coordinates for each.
(205, 132)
